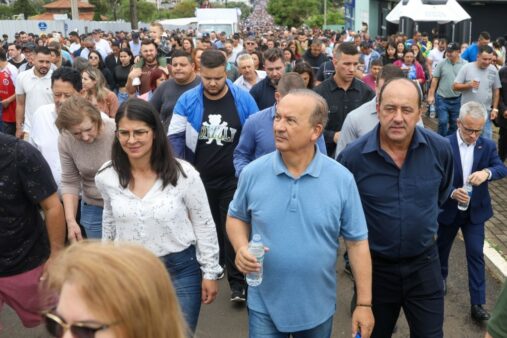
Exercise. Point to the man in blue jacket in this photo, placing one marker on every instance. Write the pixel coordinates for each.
(204, 130)
(476, 161)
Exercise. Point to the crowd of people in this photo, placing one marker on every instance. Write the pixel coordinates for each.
(186, 145)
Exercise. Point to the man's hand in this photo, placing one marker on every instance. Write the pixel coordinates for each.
(494, 114)
(505, 114)
(246, 262)
(478, 177)
(20, 133)
(474, 84)
(135, 72)
(430, 99)
(460, 195)
(74, 232)
(209, 291)
(363, 321)
(336, 137)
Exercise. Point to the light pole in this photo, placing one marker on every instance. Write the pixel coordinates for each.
(325, 14)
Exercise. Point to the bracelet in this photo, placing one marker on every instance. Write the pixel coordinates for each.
(364, 305)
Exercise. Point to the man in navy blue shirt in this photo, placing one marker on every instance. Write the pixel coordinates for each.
(257, 137)
(264, 91)
(403, 174)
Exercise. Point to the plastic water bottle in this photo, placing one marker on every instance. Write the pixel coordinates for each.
(468, 188)
(256, 248)
(358, 335)
(433, 111)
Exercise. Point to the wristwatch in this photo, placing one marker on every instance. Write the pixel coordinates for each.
(488, 172)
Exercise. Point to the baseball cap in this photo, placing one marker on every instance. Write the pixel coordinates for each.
(453, 46)
(28, 46)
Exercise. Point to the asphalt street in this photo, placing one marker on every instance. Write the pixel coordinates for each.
(224, 320)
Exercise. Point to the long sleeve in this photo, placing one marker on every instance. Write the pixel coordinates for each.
(498, 169)
(199, 212)
(108, 224)
(245, 150)
(71, 179)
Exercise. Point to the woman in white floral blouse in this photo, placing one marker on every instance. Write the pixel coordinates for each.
(158, 201)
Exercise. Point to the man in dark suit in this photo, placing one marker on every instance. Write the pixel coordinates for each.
(476, 161)
(113, 59)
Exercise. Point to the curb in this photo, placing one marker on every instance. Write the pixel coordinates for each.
(495, 263)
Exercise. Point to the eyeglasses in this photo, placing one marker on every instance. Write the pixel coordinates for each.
(57, 327)
(124, 135)
(469, 131)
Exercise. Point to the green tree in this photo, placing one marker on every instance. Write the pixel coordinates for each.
(245, 9)
(185, 9)
(334, 17)
(146, 11)
(26, 7)
(6, 12)
(101, 8)
(292, 13)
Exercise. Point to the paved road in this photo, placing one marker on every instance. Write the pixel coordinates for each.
(222, 320)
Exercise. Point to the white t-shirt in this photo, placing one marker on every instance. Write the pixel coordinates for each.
(435, 56)
(103, 47)
(44, 136)
(11, 70)
(37, 91)
(73, 47)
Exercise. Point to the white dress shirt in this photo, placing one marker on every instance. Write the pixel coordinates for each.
(44, 136)
(466, 153)
(166, 220)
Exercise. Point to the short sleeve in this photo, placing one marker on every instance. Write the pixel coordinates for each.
(238, 208)
(353, 221)
(460, 78)
(34, 173)
(19, 85)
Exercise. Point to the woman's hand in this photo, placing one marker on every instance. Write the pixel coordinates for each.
(74, 232)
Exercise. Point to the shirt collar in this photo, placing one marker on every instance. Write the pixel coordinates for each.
(313, 169)
(461, 142)
(272, 111)
(373, 142)
(353, 86)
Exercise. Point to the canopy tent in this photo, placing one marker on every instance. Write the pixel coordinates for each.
(417, 11)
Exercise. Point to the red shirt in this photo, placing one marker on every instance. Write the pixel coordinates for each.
(7, 89)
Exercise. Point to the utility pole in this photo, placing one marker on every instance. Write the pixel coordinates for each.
(74, 10)
(325, 13)
(133, 14)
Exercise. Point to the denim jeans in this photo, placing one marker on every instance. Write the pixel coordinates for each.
(488, 130)
(122, 97)
(91, 220)
(448, 113)
(186, 277)
(260, 325)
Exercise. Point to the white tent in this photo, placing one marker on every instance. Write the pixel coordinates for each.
(417, 11)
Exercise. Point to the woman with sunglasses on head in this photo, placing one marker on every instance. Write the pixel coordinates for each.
(96, 62)
(96, 91)
(111, 291)
(155, 200)
(84, 144)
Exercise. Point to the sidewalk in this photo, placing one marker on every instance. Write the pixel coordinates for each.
(495, 248)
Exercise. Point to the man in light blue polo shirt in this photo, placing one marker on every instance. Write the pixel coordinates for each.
(300, 201)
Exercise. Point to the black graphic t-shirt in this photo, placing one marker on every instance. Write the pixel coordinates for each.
(25, 180)
(218, 138)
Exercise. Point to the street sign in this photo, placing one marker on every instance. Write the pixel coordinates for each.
(43, 26)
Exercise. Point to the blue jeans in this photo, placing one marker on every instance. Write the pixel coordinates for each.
(448, 113)
(122, 97)
(260, 325)
(488, 130)
(186, 276)
(91, 220)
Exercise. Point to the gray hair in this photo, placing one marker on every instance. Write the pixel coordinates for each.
(473, 109)
(321, 110)
(244, 57)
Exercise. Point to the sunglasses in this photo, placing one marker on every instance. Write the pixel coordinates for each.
(57, 327)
